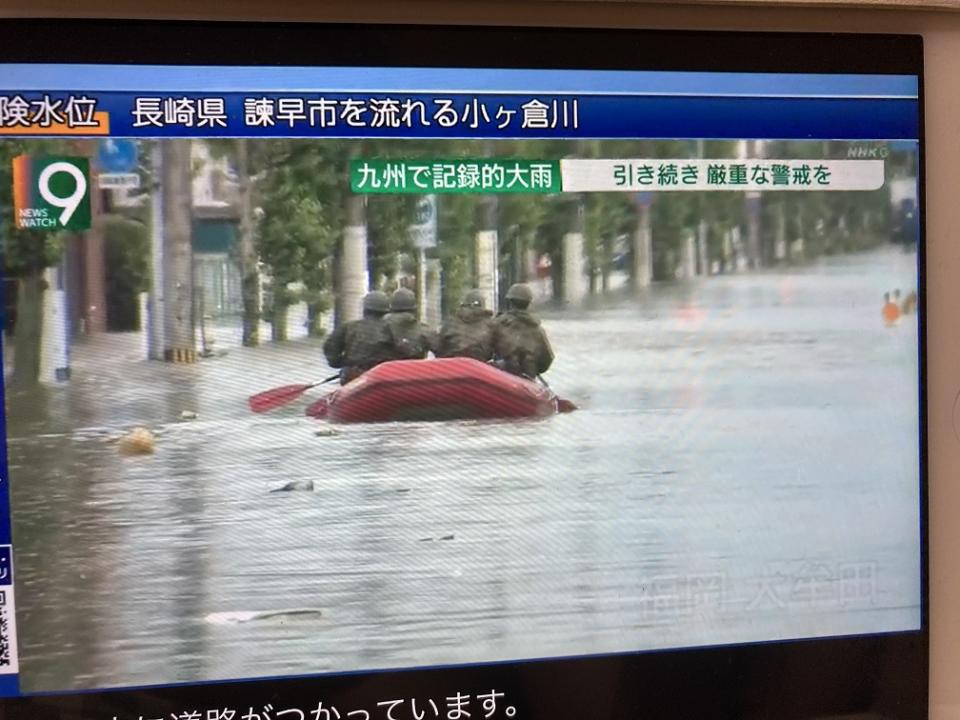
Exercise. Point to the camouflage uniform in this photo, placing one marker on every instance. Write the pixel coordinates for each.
(469, 333)
(357, 346)
(520, 344)
(411, 339)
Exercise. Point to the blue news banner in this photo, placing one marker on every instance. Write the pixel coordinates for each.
(462, 115)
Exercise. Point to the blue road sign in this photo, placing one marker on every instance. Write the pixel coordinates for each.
(117, 156)
(644, 199)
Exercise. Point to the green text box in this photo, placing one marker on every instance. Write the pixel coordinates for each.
(485, 175)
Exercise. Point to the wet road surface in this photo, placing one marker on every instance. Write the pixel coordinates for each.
(744, 467)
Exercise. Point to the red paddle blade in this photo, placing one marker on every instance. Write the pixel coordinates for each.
(565, 406)
(270, 399)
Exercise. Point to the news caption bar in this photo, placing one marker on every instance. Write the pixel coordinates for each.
(454, 115)
(495, 175)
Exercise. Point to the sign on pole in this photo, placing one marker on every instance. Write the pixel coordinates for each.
(51, 192)
(115, 156)
(423, 231)
(118, 181)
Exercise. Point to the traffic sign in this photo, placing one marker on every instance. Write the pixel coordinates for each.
(117, 156)
(423, 231)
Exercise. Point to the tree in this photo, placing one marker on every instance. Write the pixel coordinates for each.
(126, 249)
(456, 228)
(520, 217)
(607, 217)
(300, 222)
(26, 254)
(388, 218)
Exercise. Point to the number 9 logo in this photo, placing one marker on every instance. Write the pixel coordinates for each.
(68, 204)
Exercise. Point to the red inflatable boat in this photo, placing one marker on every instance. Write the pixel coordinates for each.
(436, 389)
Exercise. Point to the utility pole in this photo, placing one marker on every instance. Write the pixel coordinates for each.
(642, 270)
(353, 255)
(574, 287)
(487, 241)
(487, 246)
(177, 202)
(156, 325)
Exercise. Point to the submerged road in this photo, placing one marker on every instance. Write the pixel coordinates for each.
(744, 467)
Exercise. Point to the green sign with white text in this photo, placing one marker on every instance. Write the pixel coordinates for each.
(486, 175)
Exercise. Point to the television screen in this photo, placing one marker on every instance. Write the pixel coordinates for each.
(457, 373)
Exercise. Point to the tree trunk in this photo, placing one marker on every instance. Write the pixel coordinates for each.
(178, 251)
(314, 316)
(29, 330)
(249, 273)
(605, 267)
(278, 314)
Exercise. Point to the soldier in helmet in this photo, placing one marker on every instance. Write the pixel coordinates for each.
(357, 346)
(411, 339)
(469, 333)
(520, 345)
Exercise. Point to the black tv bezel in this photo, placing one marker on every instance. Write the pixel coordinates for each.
(885, 674)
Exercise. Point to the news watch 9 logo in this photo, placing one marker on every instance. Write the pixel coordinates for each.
(51, 192)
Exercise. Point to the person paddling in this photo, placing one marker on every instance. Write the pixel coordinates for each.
(520, 345)
(357, 346)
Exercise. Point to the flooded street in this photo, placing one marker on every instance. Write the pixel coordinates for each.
(744, 467)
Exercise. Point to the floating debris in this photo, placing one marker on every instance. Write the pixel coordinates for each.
(188, 415)
(326, 432)
(890, 311)
(233, 618)
(138, 441)
(304, 485)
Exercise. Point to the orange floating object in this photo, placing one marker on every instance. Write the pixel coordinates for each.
(891, 311)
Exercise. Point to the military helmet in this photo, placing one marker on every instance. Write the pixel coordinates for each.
(520, 293)
(376, 302)
(473, 298)
(403, 300)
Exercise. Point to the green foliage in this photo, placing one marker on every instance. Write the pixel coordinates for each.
(302, 188)
(456, 232)
(388, 220)
(126, 249)
(301, 197)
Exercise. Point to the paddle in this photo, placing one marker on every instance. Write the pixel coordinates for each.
(563, 406)
(271, 399)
